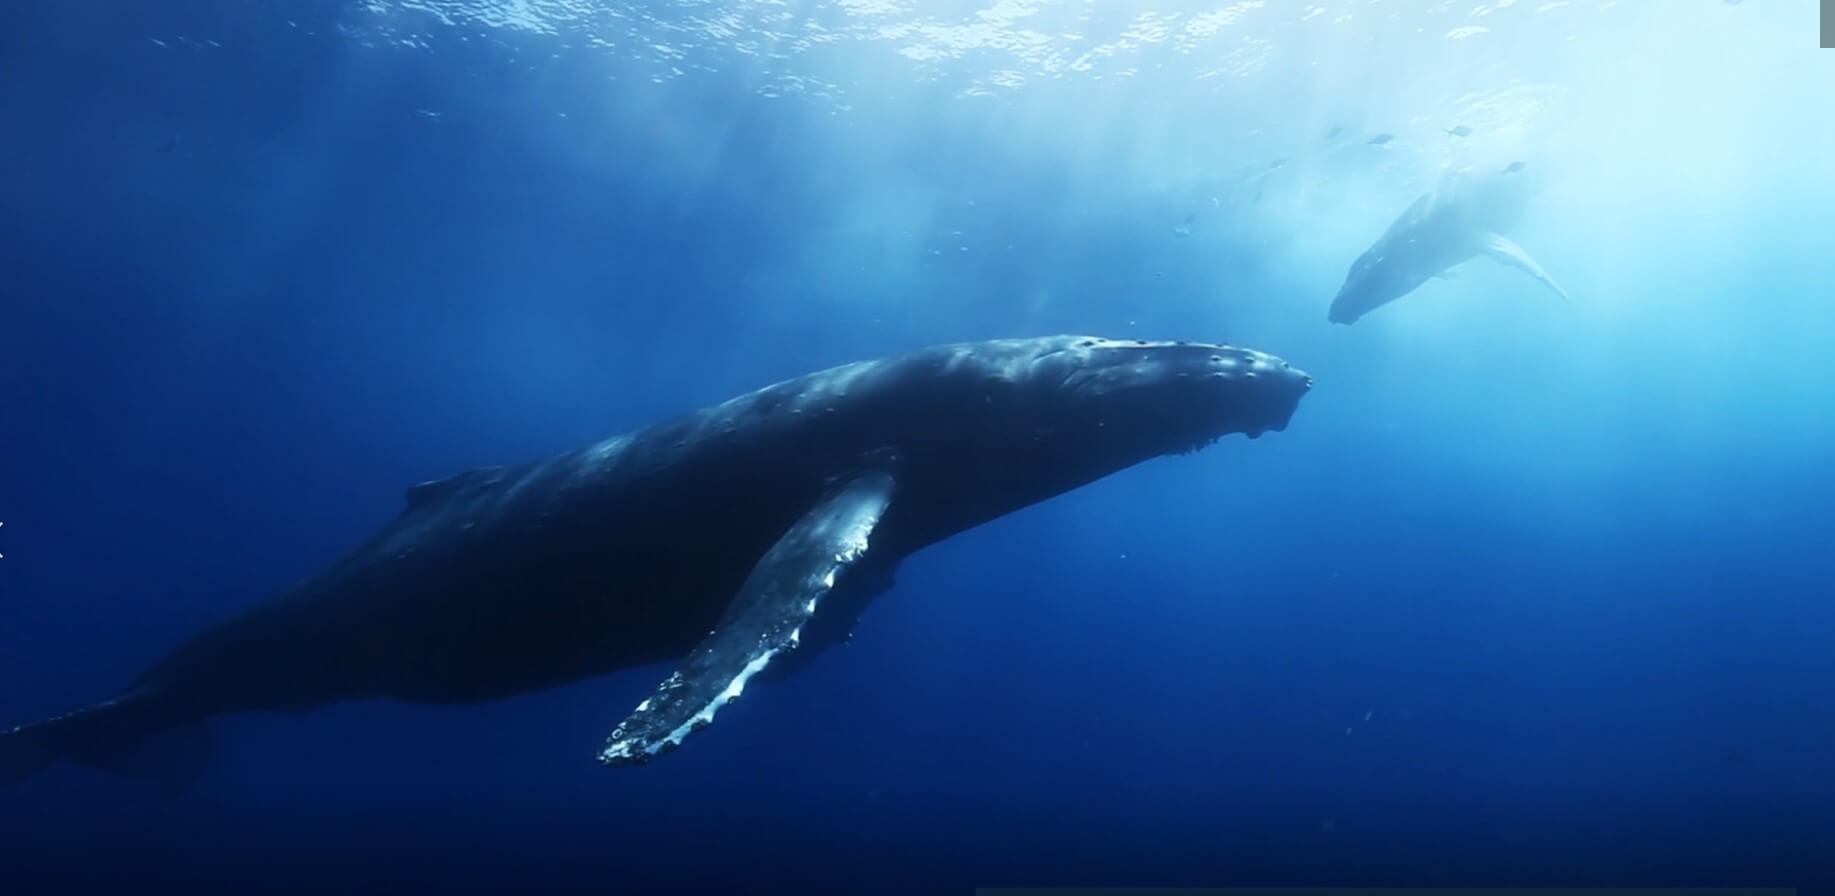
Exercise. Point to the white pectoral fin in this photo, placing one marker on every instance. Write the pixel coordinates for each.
(1504, 251)
(764, 620)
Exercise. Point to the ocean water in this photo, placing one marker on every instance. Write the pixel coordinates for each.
(1531, 592)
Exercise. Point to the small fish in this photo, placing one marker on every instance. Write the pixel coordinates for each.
(1459, 131)
(1513, 168)
(1335, 131)
(1381, 139)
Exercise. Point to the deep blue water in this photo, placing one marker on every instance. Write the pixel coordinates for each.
(1529, 592)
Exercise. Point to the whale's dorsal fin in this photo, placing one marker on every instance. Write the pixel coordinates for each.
(765, 619)
(1503, 250)
(426, 493)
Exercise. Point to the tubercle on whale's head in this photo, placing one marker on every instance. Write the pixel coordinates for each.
(1145, 399)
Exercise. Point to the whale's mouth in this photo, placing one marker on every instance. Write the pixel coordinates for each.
(1287, 406)
(1178, 397)
(1266, 411)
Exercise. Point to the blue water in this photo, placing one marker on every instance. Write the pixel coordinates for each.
(1530, 592)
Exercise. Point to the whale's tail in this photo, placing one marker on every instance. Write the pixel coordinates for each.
(131, 735)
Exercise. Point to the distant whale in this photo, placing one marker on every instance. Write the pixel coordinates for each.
(710, 540)
(1462, 219)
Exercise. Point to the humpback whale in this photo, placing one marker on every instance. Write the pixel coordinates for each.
(723, 539)
(1460, 220)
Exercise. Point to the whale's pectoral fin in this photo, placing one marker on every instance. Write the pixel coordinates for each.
(764, 620)
(1504, 251)
(130, 735)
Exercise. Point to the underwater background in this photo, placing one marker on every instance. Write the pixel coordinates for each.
(1530, 592)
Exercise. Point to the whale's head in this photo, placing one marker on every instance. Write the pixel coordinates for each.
(1046, 416)
(1154, 398)
(1375, 280)
(978, 430)
(1031, 418)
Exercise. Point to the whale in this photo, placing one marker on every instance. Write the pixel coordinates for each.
(1462, 218)
(726, 540)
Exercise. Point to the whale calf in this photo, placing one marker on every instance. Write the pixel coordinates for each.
(1459, 221)
(723, 539)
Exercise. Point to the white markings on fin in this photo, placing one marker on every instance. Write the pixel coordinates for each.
(706, 716)
(764, 620)
(1504, 251)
